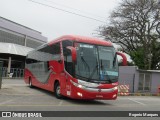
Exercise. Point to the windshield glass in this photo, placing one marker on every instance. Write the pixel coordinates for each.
(96, 63)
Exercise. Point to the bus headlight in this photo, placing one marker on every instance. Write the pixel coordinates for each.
(80, 86)
(115, 88)
(79, 94)
(77, 85)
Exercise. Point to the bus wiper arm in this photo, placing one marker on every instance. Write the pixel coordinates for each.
(81, 76)
(112, 79)
(83, 61)
(92, 73)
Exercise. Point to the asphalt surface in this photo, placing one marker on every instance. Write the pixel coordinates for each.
(15, 95)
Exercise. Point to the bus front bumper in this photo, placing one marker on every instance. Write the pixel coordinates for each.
(93, 93)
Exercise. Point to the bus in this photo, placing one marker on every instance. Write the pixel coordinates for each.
(76, 67)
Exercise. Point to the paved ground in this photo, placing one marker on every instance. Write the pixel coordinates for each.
(15, 95)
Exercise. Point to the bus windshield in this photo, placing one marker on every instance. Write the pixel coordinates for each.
(96, 63)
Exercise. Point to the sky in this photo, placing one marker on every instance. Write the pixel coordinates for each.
(53, 23)
(54, 18)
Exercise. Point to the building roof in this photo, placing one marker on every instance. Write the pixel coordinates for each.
(18, 28)
(15, 49)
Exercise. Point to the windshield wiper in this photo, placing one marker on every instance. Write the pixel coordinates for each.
(81, 77)
(95, 81)
(84, 62)
(93, 72)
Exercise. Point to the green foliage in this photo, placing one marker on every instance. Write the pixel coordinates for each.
(155, 55)
(138, 57)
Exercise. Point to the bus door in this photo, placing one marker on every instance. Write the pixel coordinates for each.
(68, 63)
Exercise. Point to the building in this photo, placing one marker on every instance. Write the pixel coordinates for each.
(140, 81)
(15, 42)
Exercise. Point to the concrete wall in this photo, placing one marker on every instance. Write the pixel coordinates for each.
(127, 75)
(155, 83)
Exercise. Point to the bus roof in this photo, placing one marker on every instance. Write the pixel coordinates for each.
(83, 39)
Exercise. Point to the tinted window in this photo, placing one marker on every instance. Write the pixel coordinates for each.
(46, 53)
(67, 56)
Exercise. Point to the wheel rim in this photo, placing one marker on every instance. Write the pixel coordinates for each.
(58, 90)
(30, 84)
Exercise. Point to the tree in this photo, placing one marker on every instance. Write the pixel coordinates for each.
(158, 26)
(134, 25)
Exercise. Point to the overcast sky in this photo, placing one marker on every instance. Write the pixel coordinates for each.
(54, 23)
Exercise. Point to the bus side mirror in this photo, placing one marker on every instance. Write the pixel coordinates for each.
(124, 62)
(73, 52)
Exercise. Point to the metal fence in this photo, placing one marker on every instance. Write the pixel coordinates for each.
(14, 72)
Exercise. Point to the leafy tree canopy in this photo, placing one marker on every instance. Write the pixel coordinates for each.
(135, 26)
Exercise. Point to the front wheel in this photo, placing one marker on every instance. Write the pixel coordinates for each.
(57, 91)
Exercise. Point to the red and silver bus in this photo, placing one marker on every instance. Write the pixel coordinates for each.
(76, 67)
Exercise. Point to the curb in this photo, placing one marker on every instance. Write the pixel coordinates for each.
(141, 94)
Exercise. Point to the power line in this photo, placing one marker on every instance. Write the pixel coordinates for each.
(66, 11)
(74, 9)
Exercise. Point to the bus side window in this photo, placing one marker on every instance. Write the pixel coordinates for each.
(67, 56)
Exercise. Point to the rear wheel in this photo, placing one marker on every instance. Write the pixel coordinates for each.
(57, 90)
(30, 83)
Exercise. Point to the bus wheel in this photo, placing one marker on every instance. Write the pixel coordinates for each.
(57, 91)
(30, 83)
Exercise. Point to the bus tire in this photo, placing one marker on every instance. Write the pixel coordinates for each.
(57, 90)
(30, 82)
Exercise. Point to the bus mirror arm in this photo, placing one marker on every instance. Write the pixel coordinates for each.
(73, 52)
(124, 63)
